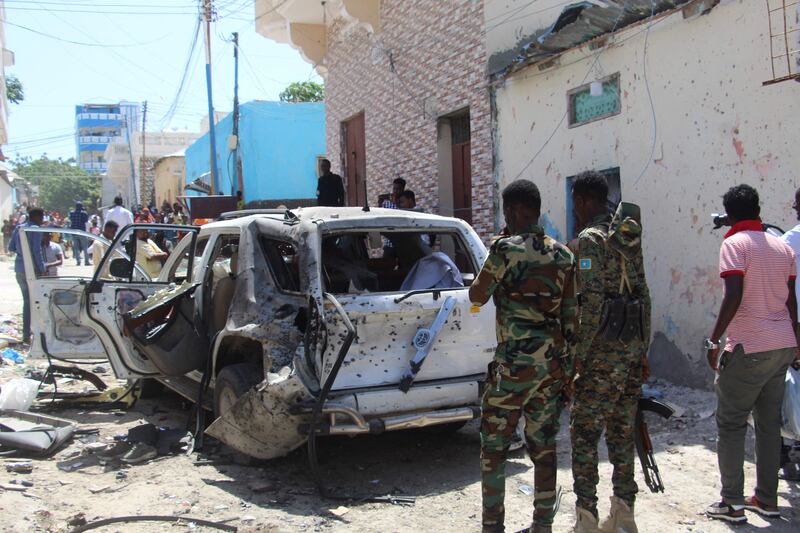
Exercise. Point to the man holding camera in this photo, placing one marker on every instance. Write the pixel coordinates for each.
(611, 357)
(759, 313)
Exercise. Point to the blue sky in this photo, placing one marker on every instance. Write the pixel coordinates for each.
(144, 47)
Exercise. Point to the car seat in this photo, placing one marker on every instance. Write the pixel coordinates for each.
(223, 295)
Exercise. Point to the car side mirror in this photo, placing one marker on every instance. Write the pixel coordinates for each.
(121, 268)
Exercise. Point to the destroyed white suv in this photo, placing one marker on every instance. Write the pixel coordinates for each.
(346, 320)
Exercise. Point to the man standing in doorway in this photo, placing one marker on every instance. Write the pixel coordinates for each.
(34, 220)
(330, 190)
(532, 280)
(759, 312)
(609, 369)
(119, 214)
(78, 219)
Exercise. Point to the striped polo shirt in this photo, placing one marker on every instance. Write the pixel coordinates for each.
(762, 322)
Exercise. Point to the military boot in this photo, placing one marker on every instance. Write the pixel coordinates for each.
(620, 518)
(586, 522)
(538, 528)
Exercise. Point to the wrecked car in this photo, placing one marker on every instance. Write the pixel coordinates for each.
(340, 319)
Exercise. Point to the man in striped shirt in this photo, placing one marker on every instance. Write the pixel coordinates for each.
(759, 313)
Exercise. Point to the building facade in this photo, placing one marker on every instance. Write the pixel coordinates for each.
(673, 110)
(280, 145)
(169, 177)
(130, 171)
(6, 60)
(405, 94)
(99, 125)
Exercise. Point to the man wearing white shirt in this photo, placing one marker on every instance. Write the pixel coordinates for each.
(792, 237)
(119, 214)
(791, 471)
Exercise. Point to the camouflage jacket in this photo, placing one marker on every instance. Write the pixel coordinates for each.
(532, 279)
(604, 247)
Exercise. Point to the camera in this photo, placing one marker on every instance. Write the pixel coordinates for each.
(720, 220)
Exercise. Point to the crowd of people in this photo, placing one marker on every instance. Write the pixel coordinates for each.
(330, 192)
(51, 249)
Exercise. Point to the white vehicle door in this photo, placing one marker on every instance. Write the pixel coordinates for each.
(394, 325)
(78, 313)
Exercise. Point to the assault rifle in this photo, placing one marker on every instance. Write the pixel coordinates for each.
(644, 446)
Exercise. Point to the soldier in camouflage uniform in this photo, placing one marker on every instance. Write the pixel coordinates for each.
(608, 374)
(532, 279)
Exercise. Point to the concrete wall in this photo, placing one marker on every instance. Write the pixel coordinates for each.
(280, 144)
(170, 177)
(438, 53)
(716, 127)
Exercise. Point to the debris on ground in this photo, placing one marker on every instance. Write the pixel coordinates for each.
(37, 434)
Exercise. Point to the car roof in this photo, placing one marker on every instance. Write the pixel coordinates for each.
(328, 215)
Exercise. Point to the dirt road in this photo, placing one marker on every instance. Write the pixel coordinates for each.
(439, 470)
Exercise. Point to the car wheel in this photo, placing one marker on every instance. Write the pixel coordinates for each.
(232, 382)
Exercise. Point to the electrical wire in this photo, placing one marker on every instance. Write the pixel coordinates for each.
(649, 95)
(165, 120)
(100, 45)
(566, 112)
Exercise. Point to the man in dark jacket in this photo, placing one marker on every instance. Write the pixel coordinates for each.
(330, 191)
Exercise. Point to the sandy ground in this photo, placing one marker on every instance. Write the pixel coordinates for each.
(440, 470)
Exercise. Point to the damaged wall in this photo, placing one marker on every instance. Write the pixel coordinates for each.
(439, 59)
(717, 127)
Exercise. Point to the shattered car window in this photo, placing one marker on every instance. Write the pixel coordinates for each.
(406, 260)
(283, 263)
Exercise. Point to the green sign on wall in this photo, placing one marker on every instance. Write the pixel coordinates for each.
(583, 107)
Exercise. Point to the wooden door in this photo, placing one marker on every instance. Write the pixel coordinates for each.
(355, 163)
(462, 182)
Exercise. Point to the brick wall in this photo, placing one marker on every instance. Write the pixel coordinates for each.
(439, 57)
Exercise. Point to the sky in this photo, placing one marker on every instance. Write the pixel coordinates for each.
(138, 52)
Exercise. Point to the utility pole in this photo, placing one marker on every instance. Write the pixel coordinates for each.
(208, 12)
(239, 183)
(142, 163)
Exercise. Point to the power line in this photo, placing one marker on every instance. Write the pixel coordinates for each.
(98, 11)
(100, 45)
(112, 51)
(182, 84)
(649, 95)
(564, 116)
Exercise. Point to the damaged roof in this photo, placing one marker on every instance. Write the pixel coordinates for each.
(578, 23)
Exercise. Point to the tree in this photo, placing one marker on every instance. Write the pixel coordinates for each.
(14, 91)
(303, 91)
(61, 183)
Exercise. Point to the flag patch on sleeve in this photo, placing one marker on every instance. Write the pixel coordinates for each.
(585, 264)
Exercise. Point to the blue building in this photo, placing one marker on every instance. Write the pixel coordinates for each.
(280, 145)
(97, 126)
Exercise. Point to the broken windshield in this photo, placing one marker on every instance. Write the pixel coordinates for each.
(393, 261)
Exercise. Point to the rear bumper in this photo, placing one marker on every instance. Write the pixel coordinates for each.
(344, 420)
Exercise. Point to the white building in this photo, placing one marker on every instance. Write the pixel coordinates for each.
(682, 116)
(125, 164)
(6, 60)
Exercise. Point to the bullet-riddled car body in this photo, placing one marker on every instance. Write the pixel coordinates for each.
(356, 321)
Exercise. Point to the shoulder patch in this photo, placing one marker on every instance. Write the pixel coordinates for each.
(585, 264)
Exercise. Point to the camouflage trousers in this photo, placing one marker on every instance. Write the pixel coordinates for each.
(606, 398)
(520, 385)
